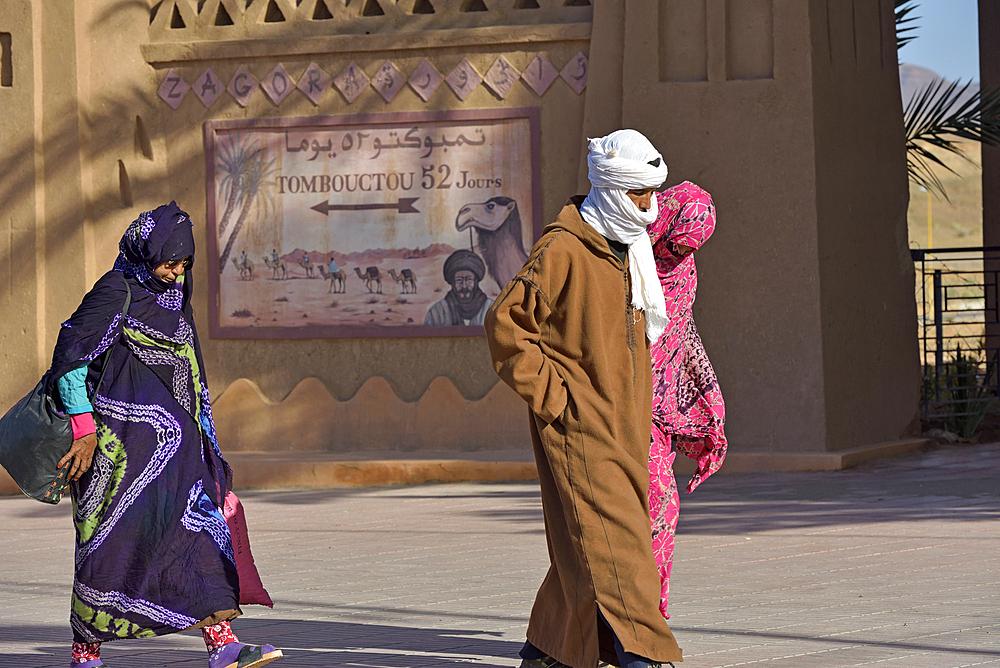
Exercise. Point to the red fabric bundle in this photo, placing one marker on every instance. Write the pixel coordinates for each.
(251, 589)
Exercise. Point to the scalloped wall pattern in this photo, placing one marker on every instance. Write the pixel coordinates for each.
(310, 419)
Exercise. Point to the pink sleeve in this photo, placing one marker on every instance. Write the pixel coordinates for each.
(83, 425)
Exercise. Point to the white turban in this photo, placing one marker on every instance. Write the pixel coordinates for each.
(626, 160)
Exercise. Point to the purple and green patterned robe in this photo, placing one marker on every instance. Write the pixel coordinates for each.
(153, 551)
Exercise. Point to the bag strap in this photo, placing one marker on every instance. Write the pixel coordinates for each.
(107, 355)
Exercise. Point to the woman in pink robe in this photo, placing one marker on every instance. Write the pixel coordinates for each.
(688, 411)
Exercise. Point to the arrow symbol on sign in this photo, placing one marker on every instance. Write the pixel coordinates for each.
(403, 205)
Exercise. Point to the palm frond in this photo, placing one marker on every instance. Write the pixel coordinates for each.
(937, 118)
(905, 23)
(236, 157)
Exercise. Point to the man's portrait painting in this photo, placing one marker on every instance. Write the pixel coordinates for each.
(369, 225)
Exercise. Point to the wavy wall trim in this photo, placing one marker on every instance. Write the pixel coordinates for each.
(310, 419)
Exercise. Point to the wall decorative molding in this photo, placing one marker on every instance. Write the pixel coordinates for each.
(173, 21)
(386, 79)
(375, 419)
(163, 54)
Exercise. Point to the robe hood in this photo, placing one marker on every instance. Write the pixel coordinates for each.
(570, 220)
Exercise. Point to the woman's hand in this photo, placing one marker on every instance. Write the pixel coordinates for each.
(82, 454)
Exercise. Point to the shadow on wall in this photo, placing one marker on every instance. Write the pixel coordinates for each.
(100, 164)
(111, 124)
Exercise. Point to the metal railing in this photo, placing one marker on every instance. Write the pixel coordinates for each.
(957, 309)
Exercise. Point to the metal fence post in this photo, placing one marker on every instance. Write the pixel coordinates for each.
(938, 323)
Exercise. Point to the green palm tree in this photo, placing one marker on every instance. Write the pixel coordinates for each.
(236, 155)
(255, 185)
(936, 119)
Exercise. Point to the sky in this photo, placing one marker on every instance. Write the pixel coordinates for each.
(947, 38)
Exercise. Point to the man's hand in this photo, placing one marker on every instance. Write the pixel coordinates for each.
(82, 454)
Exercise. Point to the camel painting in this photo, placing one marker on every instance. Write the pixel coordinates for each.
(338, 279)
(407, 278)
(278, 269)
(245, 268)
(498, 228)
(371, 277)
(307, 264)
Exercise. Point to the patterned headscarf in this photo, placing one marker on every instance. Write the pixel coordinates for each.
(162, 235)
(687, 400)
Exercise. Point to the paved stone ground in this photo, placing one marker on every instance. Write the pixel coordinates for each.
(894, 564)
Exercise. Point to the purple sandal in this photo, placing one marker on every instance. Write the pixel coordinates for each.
(238, 655)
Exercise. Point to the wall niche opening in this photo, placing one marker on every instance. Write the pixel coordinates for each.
(6, 64)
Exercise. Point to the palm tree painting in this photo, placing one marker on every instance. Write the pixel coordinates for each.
(235, 154)
(246, 182)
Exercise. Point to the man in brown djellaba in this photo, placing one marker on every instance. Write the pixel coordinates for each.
(570, 334)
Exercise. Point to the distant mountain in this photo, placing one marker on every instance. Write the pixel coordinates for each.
(913, 78)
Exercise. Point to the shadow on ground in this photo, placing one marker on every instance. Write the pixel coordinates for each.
(958, 484)
(852, 641)
(305, 643)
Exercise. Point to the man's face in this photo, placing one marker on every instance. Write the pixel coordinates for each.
(464, 285)
(641, 198)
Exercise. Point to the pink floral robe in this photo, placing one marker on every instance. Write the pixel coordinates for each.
(688, 411)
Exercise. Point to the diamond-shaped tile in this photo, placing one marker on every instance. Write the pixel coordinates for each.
(207, 87)
(540, 74)
(351, 82)
(575, 72)
(464, 79)
(173, 89)
(278, 85)
(501, 77)
(425, 80)
(314, 83)
(388, 80)
(242, 86)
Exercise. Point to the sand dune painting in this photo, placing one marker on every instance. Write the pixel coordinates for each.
(369, 225)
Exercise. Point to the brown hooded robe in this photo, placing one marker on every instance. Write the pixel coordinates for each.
(564, 336)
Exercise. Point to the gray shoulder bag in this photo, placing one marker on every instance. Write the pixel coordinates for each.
(34, 436)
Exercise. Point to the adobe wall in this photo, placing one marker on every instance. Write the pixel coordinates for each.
(19, 262)
(805, 304)
(805, 297)
(111, 147)
(732, 111)
(344, 365)
(869, 321)
(44, 261)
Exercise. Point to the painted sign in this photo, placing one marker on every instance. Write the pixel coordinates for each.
(368, 225)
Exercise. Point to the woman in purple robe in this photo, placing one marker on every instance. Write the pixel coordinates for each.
(153, 550)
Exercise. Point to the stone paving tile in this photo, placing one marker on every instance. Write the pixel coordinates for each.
(895, 564)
